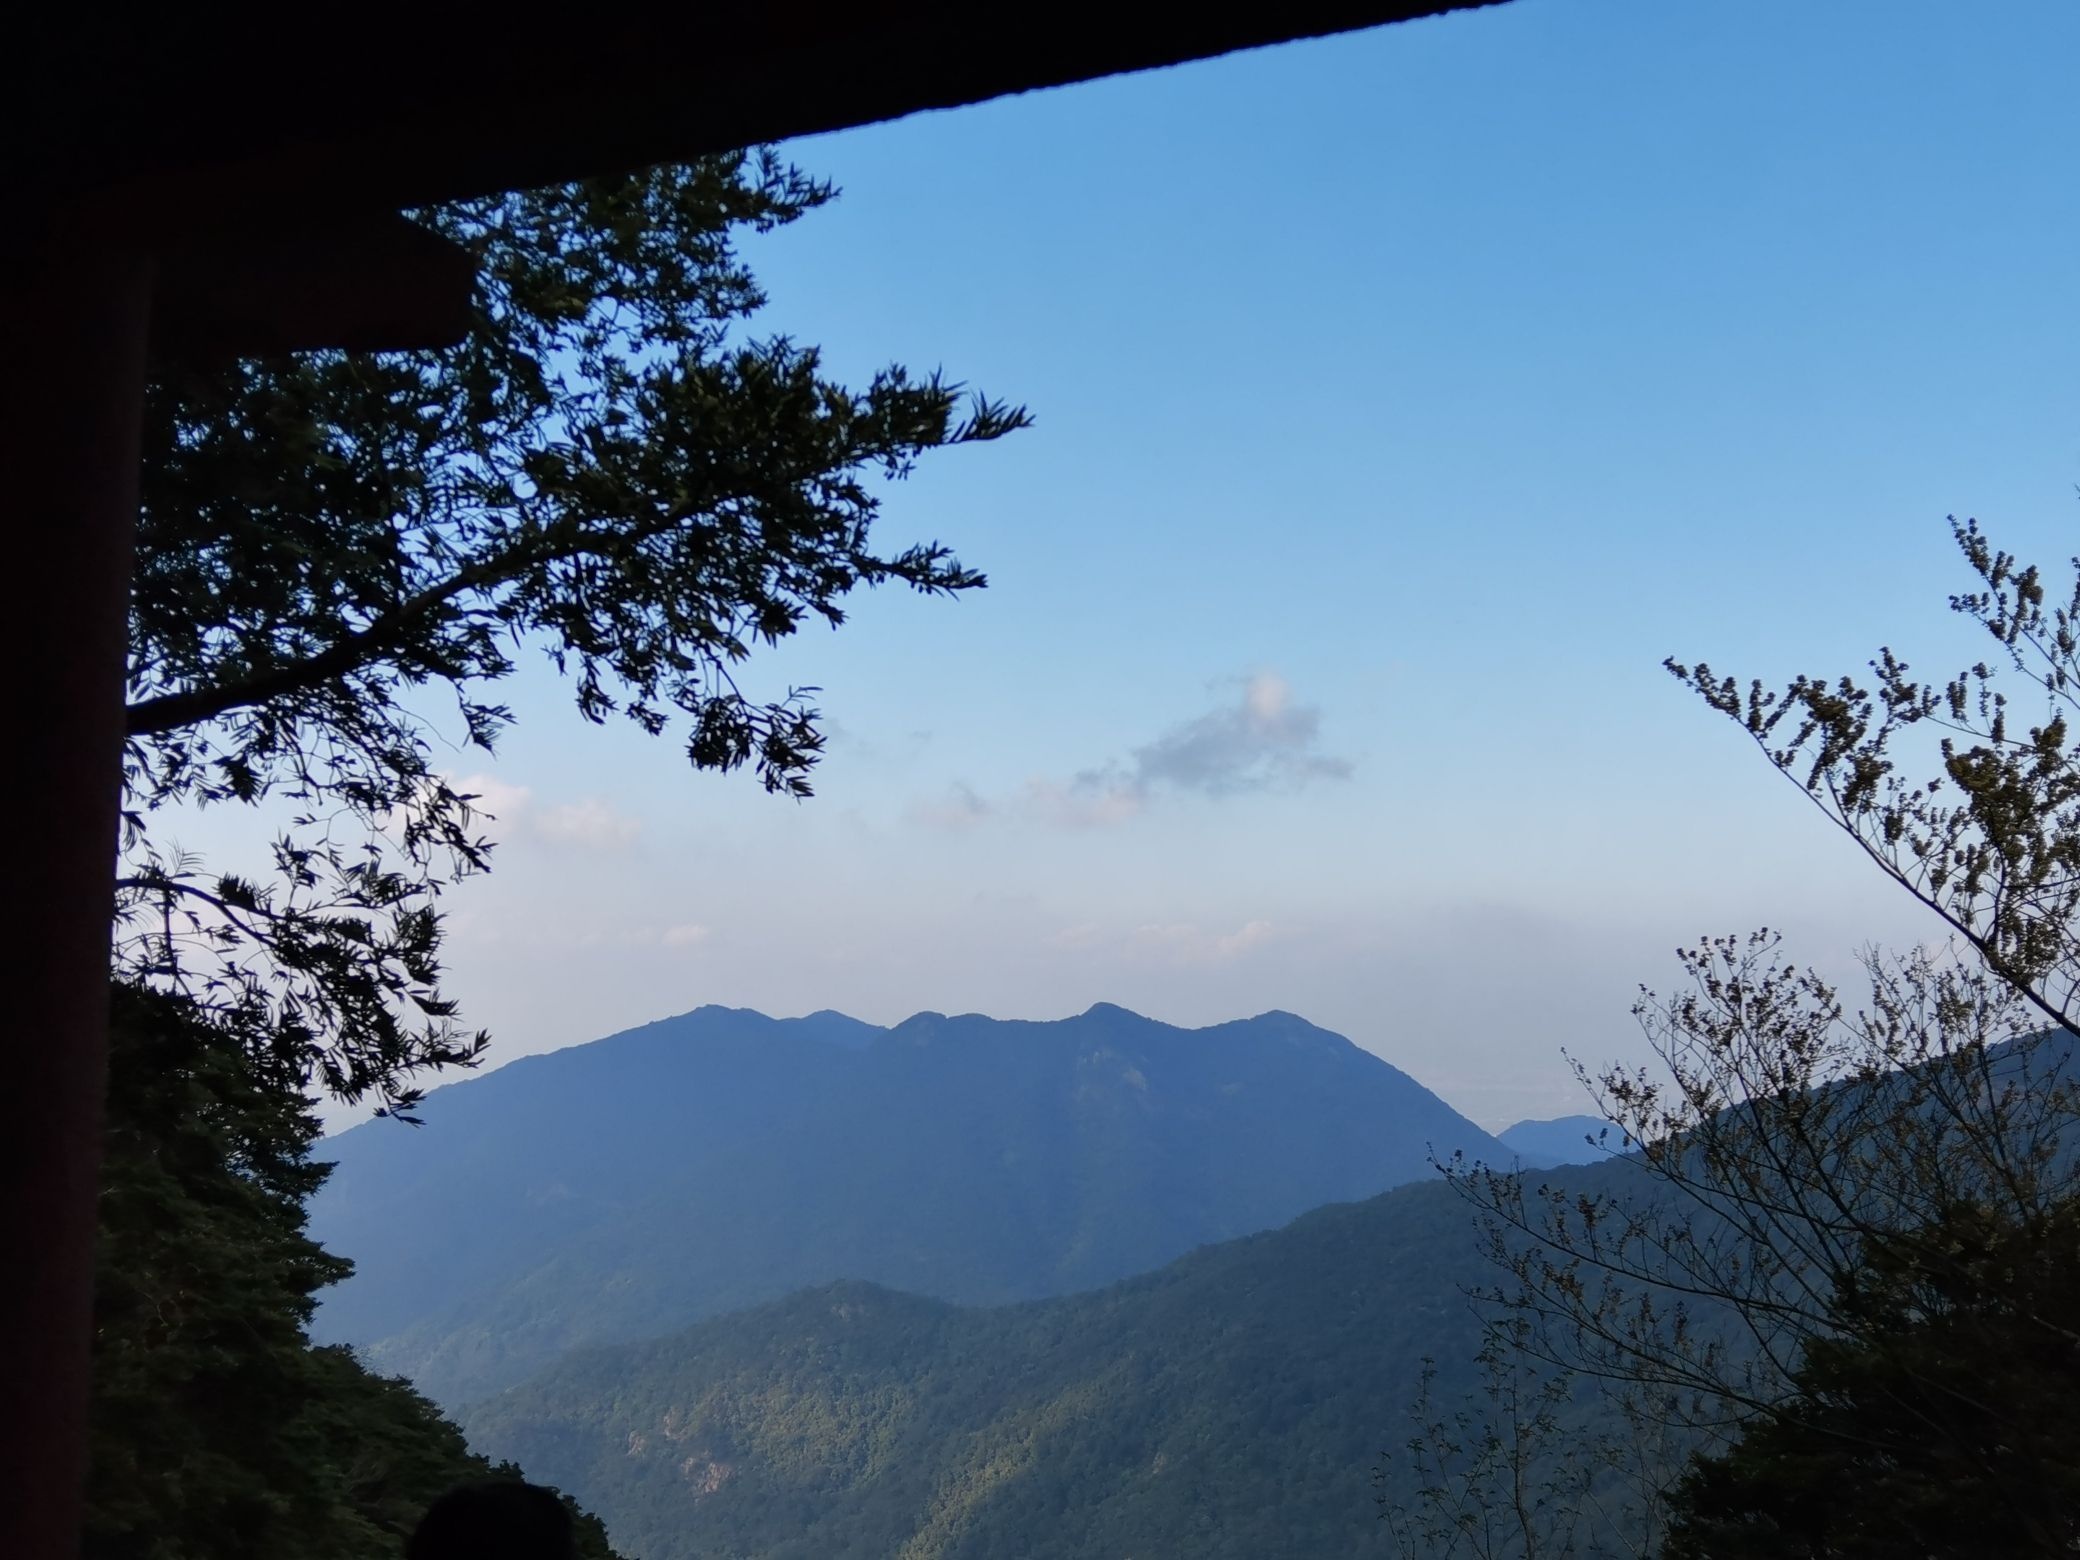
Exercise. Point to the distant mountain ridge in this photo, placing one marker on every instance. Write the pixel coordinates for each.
(1564, 1140)
(721, 1159)
(1230, 1406)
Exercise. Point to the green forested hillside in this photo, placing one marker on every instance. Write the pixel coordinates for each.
(626, 1188)
(1232, 1405)
(219, 1432)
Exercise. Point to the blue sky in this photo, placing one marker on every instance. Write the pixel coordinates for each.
(1402, 400)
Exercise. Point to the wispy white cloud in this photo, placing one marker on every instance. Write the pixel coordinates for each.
(494, 798)
(687, 934)
(590, 824)
(1263, 739)
(496, 806)
(511, 812)
(1251, 935)
(1187, 942)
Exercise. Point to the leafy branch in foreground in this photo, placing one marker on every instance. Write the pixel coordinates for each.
(1839, 1252)
(1991, 841)
(336, 547)
(1786, 1137)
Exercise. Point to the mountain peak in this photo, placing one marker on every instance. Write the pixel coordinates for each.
(840, 1029)
(1564, 1140)
(629, 1187)
(1282, 1016)
(1113, 1010)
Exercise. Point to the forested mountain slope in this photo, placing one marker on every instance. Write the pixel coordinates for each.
(625, 1188)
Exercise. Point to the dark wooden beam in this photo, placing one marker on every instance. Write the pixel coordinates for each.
(72, 333)
(366, 281)
(391, 105)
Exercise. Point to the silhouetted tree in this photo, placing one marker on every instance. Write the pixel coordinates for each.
(1797, 1251)
(1937, 1424)
(609, 471)
(218, 1431)
(1990, 842)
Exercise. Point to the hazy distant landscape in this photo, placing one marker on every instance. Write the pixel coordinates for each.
(717, 1160)
(1178, 1282)
(835, 1185)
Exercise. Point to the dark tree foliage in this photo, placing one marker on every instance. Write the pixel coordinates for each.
(203, 1283)
(1939, 1426)
(1793, 1131)
(1990, 841)
(218, 1431)
(1841, 1253)
(336, 547)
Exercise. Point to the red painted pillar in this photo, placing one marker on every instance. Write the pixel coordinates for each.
(74, 312)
